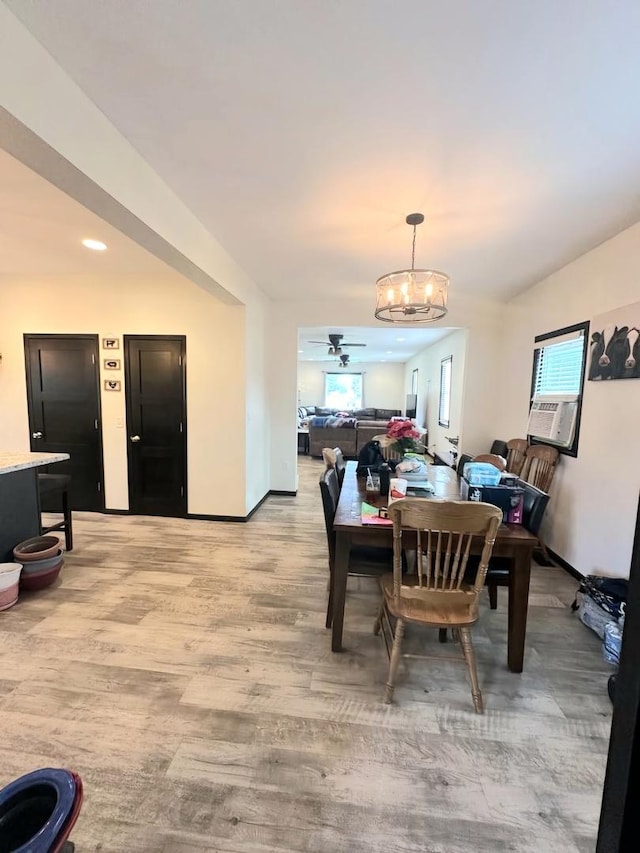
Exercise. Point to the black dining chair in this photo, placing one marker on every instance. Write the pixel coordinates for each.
(364, 560)
(499, 448)
(535, 504)
(462, 461)
(335, 459)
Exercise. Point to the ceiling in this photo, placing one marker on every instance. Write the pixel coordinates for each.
(382, 344)
(302, 132)
(42, 228)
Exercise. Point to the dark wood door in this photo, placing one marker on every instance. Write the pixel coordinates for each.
(63, 393)
(156, 424)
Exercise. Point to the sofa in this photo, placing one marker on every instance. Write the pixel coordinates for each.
(350, 433)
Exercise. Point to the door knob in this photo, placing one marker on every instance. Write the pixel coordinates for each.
(134, 438)
(36, 435)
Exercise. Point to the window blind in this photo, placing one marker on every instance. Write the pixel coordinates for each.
(558, 367)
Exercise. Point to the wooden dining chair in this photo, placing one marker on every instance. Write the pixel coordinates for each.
(540, 466)
(438, 595)
(389, 453)
(364, 560)
(517, 449)
(498, 462)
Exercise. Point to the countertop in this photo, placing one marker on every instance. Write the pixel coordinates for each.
(18, 461)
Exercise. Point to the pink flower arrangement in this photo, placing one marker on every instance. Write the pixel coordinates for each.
(403, 437)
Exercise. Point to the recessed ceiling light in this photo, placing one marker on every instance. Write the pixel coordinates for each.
(300, 350)
(399, 339)
(389, 352)
(96, 245)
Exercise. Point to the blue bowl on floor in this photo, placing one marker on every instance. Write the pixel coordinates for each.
(42, 565)
(34, 810)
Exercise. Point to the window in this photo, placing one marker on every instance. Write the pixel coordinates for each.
(557, 378)
(444, 406)
(343, 391)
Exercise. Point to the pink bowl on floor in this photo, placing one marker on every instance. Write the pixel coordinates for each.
(9, 596)
(39, 580)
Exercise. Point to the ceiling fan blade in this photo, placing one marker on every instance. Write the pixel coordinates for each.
(353, 345)
(322, 343)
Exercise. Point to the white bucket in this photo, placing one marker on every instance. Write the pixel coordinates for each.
(9, 574)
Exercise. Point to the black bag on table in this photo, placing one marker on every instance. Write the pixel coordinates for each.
(370, 459)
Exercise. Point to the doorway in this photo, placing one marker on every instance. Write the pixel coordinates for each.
(155, 376)
(63, 398)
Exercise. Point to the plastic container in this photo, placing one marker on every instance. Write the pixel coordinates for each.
(9, 574)
(481, 474)
(9, 584)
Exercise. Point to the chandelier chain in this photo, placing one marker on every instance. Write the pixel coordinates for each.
(413, 250)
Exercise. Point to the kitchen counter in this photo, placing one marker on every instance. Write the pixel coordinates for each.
(19, 461)
(19, 498)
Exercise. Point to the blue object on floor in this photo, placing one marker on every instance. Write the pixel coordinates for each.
(34, 810)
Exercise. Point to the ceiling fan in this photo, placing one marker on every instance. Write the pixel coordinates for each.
(335, 344)
(344, 360)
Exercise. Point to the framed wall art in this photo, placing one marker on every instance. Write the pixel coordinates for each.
(111, 363)
(614, 347)
(112, 385)
(111, 343)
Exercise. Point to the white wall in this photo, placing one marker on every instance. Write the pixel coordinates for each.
(594, 498)
(428, 364)
(216, 366)
(482, 318)
(255, 465)
(383, 383)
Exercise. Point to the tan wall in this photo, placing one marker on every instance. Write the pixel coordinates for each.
(594, 498)
(133, 305)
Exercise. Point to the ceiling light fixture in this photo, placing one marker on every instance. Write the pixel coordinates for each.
(412, 296)
(96, 245)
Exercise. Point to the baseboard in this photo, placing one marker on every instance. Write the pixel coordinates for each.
(566, 566)
(203, 516)
(258, 505)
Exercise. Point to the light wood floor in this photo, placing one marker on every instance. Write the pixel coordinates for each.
(191, 684)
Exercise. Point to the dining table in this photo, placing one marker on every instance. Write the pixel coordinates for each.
(512, 541)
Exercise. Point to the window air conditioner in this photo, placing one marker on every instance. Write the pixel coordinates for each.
(553, 418)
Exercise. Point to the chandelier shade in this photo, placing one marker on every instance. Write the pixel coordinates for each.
(413, 295)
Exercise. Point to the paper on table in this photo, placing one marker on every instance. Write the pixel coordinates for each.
(369, 515)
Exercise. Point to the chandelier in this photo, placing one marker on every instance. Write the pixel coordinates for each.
(412, 296)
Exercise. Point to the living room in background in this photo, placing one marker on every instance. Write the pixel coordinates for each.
(444, 404)
(557, 380)
(343, 391)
